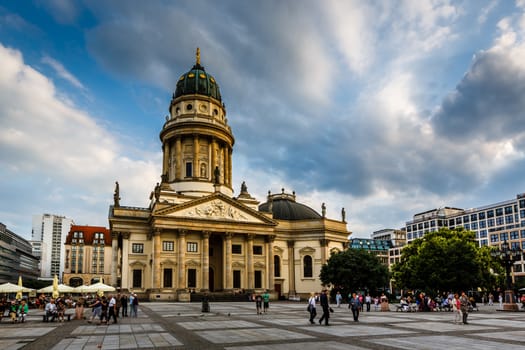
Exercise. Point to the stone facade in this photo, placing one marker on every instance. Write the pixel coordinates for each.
(195, 236)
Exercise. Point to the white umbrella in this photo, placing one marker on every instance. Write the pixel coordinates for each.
(62, 288)
(13, 288)
(96, 287)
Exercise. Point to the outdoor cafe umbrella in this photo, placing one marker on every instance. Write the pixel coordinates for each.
(10, 288)
(62, 288)
(95, 288)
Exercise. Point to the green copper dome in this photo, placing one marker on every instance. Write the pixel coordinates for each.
(197, 81)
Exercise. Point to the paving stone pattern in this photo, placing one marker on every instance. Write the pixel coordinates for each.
(236, 326)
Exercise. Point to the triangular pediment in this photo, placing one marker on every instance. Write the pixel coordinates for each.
(216, 207)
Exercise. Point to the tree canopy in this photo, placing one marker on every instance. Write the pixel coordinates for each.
(446, 260)
(355, 269)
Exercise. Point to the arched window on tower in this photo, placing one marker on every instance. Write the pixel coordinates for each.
(307, 266)
(276, 266)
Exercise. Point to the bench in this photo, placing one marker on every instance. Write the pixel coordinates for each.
(45, 318)
(406, 308)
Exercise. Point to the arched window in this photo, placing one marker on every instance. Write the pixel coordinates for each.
(307, 266)
(276, 266)
(76, 281)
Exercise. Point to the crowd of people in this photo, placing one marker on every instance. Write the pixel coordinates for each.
(16, 310)
(459, 303)
(356, 302)
(104, 310)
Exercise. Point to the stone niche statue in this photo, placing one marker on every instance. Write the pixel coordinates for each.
(217, 176)
(116, 195)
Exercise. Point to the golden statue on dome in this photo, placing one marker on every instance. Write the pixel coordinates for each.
(198, 57)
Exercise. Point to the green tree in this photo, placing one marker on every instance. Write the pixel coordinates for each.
(492, 273)
(446, 260)
(354, 269)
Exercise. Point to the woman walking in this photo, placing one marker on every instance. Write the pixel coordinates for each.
(456, 309)
(311, 307)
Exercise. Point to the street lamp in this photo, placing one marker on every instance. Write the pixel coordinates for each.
(507, 257)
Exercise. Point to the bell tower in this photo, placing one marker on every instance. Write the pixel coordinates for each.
(197, 141)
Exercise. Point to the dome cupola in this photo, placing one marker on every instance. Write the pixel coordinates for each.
(197, 81)
(284, 207)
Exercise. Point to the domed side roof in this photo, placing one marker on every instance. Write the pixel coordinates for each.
(197, 81)
(286, 209)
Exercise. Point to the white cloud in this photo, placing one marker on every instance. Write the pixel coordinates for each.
(353, 33)
(60, 152)
(485, 11)
(63, 72)
(63, 11)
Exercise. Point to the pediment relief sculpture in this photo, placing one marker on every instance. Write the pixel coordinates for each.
(217, 209)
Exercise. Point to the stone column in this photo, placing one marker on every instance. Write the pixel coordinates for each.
(180, 260)
(196, 155)
(224, 164)
(178, 159)
(249, 261)
(291, 267)
(165, 158)
(230, 167)
(270, 273)
(228, 278)
(213, 157)
(324, 244)
(205, 261)
(114, 257)
(156, 259)
(124, 266)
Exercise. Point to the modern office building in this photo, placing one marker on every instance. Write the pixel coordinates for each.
(195, 235)
(492, 223)
(397, 237)
(51, 231)
(16, 258)
(88, 255)
(378, 247)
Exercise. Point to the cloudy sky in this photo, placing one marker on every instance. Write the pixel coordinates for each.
(384, 108)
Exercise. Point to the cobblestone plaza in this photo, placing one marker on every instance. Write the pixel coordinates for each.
(236, 326)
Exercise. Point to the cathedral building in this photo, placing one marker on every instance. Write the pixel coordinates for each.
(195, 235)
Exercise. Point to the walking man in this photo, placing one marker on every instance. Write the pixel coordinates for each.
(326, 308)
(112, 308)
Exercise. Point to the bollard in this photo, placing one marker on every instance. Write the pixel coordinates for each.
(205, 304)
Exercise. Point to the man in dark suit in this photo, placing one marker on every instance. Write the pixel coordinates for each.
(326, 308)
